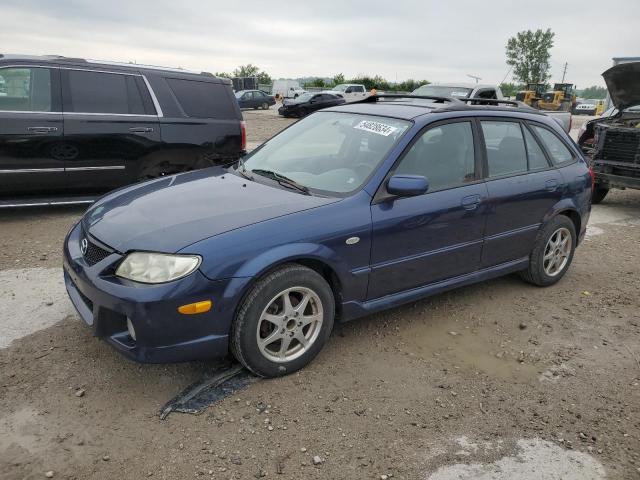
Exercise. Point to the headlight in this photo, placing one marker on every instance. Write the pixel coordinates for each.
(147, 267)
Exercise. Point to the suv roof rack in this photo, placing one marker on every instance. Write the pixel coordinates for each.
(142, 65)
(375, 98)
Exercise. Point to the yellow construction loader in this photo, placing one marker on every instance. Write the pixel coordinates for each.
(562, 98)
(532, 94)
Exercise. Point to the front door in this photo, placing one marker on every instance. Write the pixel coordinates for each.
(110, 125)
(421, 240)
(30, 132)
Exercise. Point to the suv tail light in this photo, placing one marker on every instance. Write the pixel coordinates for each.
(243, 133)
(593, 178)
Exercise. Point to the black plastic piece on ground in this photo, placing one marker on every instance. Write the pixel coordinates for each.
(224, 381)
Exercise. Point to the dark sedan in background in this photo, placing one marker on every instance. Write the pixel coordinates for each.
(254, 99)
(309, 102)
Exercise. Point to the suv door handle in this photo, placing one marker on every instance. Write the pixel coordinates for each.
(141, 130)
(470, 202)
(551, 185)
(42, 129)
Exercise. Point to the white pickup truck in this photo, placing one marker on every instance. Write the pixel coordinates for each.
(351, 92)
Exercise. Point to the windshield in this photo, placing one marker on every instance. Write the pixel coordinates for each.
(442, 91)
(329, 152)
(239, 94)
(340, 88)
(305, 97)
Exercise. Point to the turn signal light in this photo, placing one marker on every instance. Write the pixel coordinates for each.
(193, 308)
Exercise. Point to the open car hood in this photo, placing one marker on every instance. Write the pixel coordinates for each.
(623, 82)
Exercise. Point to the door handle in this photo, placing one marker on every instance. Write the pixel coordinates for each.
(141, 130)
(42, 129)
(551, 185)
(470, 202)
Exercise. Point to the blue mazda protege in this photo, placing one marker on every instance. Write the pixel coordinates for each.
(350, 211)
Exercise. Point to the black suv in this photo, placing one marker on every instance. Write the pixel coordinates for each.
(72, 128)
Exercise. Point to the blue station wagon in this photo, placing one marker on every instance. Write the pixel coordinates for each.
(352, 210)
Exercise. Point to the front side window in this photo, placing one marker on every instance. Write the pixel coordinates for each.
(101, 92)
(25, 89)
(444, 155)
(557, 149)
(329, 152)
(506, 153)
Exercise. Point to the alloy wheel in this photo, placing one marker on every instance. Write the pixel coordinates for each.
(557, 252)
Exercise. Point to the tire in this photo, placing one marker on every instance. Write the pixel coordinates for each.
(598, 195)
(539, 272)
(302, 112)
(265, 106)
(267, 299)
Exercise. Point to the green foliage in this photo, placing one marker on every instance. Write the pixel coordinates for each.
(338, 79)
(409, 85)
(316, 82)
(250, 70)
(594, 92)
(510, 89)
(223, 74)
(529, 53)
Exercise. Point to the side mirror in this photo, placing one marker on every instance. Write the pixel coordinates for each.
(407, 185)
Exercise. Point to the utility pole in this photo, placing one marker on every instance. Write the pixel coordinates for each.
(476, 78)
(564, 71)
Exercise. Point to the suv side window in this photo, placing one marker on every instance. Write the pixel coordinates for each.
(202, 99)
(101, 92)
(506, 154)
(557, 149)
(25, 89)
(444, 155)
(358, 89)
(487, 93)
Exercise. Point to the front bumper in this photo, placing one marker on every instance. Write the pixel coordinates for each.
(163, 335)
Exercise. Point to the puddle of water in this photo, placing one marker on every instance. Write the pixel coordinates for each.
(474, 350)
(534, 459)
(31, 299)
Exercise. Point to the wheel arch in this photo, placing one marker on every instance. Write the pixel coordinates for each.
(568, 208)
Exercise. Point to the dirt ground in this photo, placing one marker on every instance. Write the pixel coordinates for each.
(491, 378)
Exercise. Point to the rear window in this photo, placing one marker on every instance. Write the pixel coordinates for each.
(557, 149)
(202, 99)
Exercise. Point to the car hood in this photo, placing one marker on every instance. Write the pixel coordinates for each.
(623, 82)
(168, 214)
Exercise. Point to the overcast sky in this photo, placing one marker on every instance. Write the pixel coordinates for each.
(437, 40)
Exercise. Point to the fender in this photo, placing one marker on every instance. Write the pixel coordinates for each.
(570, 206)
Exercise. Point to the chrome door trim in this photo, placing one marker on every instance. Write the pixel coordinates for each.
(107, 167)
(33, 170)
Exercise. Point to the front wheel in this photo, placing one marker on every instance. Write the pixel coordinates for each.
(598, 195)
(283, 322)
(552, 252)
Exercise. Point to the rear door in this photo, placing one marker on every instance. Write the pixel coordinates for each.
(31, 130)
(110, 125)
(523, 186)
(425, 239)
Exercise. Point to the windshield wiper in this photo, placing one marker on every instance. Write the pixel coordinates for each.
(282, 180)
(242, 170)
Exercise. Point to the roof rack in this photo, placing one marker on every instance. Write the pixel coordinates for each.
(375, 98)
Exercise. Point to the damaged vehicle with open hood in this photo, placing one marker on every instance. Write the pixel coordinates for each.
(613, 143)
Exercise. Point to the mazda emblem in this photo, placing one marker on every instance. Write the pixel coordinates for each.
(84, 245)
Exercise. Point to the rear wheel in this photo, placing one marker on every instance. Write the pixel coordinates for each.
(598, 195)
(302, 112)
(265, 106)
(283, 322)
(552, 252)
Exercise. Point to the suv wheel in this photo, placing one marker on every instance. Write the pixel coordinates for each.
(598, 195)
(283, 322)
(552, 252)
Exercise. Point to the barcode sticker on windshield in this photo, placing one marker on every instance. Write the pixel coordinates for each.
(376, 127)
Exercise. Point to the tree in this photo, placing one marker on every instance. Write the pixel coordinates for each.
(510, 89)
(409, 85)
(338, 79)
(316, 82)
(594, 92)
(528, 54)
(250, 70)
(223, 74)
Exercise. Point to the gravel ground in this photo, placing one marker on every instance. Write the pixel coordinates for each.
(498, 380)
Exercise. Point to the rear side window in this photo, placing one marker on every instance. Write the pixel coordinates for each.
(506, 153)
(537, 159)
(444, 155)
(557, 149)
(202, 99)
(98, 92)
(25, 89)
